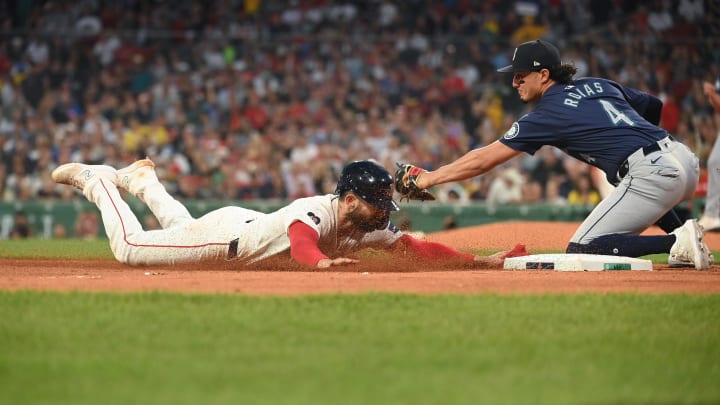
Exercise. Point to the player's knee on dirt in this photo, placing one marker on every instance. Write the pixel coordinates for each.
(613, 245)
(578, 248)
(623, 245)
(602, 245)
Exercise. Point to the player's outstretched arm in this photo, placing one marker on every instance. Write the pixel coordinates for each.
(473, 163)
(434, 251)
(304, 248)
(304, 245)
(498, 259)
(338, 261)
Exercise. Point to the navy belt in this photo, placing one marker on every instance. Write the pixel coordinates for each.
(647, 149)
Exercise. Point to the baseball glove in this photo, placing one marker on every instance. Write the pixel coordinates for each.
(405, 177)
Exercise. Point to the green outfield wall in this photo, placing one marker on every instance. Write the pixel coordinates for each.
(47, 217)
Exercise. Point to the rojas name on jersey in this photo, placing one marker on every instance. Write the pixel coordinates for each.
(577, 93)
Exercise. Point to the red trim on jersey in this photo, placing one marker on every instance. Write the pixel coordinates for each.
(434, 250)
(125, 239)
(304, 244)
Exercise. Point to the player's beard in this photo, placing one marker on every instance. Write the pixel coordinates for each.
(366, 225)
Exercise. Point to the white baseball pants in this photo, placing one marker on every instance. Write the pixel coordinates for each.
(183, 238)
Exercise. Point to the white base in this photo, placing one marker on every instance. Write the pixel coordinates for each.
(576, 262)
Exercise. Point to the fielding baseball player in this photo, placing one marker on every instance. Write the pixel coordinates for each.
(316, 231)
(710, 220)
(606, 125)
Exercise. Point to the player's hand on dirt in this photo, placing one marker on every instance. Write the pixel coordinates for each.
(407, 177)
(339, 261)
(493, 261)
(518, 250)
(498, 259)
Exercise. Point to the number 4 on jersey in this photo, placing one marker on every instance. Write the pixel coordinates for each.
(615, 115)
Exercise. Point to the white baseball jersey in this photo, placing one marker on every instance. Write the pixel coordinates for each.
(186, 239)
(267, 234)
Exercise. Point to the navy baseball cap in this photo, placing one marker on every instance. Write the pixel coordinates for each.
(533, 56)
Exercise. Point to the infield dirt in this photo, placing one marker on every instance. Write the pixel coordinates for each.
(372, 274)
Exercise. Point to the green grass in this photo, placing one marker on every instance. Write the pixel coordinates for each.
(56, 248)
(84, 348)
(93, 348)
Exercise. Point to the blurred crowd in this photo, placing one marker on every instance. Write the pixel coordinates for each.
(254, 99)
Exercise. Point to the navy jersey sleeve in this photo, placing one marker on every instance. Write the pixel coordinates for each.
(532, 131)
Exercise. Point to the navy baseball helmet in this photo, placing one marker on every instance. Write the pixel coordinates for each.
(369, 181)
